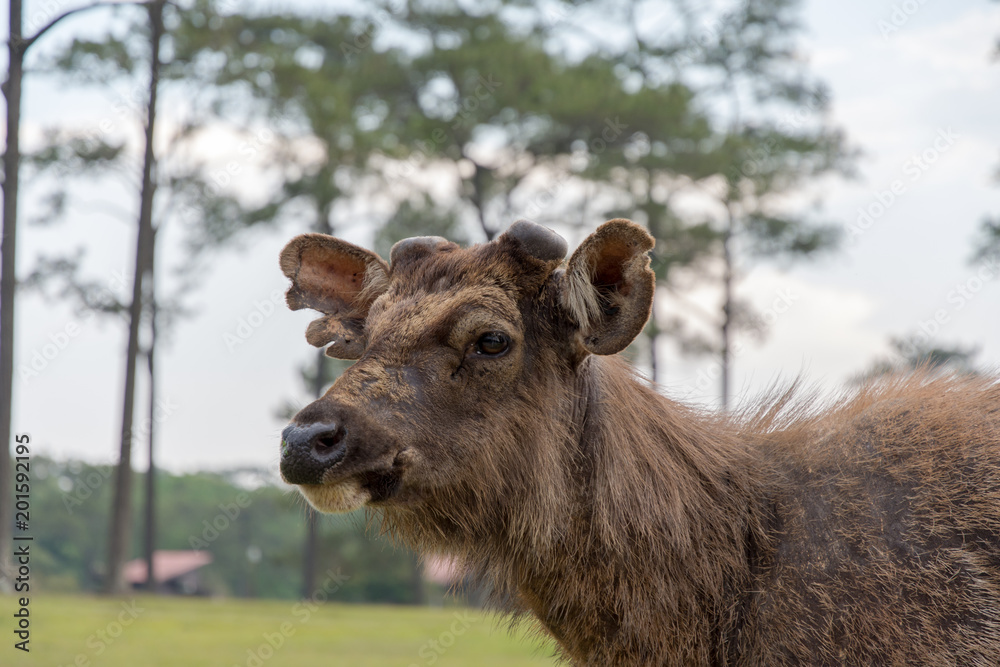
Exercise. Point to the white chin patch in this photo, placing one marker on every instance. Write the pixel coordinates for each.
(345, 496)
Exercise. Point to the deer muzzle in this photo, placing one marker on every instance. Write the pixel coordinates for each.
(308, 451)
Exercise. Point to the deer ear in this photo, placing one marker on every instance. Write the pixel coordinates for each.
(338, 279)
(609, 286)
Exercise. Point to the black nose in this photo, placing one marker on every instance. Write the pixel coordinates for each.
(309, 451)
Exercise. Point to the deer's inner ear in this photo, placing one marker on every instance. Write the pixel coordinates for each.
(609, 286)
(339, 280)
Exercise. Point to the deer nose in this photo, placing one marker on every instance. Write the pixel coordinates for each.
(308, 451)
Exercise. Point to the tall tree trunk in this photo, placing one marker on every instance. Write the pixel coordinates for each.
(309, 555)
(17, 46)
(653, 335)
(149, 537)
(418, 586)
(312, 526)
(654, 358)
(11, 166)
(727, 309)
(121, 510)
(245, 527)
(478, 199)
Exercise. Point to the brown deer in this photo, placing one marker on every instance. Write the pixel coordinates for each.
(489, 417)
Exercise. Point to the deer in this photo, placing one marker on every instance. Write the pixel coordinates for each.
(489, 416)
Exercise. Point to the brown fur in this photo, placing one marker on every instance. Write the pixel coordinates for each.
(639, 531)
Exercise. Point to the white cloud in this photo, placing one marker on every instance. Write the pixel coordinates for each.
(960, 48)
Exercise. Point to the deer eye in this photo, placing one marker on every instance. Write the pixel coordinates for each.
(492, 344)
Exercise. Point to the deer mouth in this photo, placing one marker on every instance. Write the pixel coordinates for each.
(341, 495)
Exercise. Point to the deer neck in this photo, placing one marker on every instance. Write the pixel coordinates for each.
(660, 526)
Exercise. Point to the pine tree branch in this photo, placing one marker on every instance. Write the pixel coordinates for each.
(25, 44)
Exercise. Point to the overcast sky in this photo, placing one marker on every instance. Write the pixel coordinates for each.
(918, 92)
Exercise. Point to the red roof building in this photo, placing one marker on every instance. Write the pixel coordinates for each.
(175, 571)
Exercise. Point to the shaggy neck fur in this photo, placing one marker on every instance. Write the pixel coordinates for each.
(616, 528)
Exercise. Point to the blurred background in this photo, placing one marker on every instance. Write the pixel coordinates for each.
(821, 179)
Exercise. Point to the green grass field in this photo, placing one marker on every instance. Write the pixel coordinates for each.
(162, 632)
